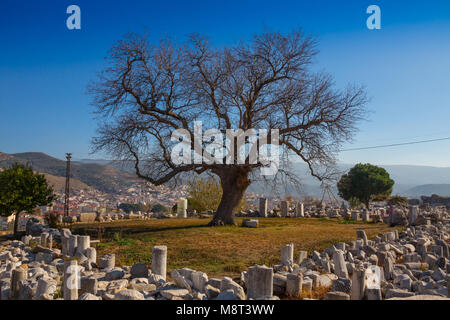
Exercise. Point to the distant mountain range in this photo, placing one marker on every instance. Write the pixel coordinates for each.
(110, 176)
(428, 190)
(411, 181)
(83, 174)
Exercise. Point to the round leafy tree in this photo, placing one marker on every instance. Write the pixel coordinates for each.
(363, 182)
(21, 189)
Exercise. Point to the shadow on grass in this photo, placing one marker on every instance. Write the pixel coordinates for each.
(134, 230)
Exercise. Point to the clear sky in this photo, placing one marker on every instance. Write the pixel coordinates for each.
(44, 67)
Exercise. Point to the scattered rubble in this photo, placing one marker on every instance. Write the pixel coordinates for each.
(412, 264)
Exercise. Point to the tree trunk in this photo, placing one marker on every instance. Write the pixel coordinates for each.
(16, 223)
(234, 182)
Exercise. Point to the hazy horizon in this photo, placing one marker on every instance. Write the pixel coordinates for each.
(74, 158)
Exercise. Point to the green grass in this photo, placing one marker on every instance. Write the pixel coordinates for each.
(219, 251)
(348, 222)
(125, 242)
(103, 246)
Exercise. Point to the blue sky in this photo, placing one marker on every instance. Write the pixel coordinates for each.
(44, 67)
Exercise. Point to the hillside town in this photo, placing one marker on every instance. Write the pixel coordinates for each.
(93, 201)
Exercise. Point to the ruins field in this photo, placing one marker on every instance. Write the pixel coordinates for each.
(225, 250)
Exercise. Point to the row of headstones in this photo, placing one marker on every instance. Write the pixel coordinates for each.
(299, 210)
(284, 206)
(366, 215)
(97, 216)
(182, 206)
(45, 240)
(355, 215)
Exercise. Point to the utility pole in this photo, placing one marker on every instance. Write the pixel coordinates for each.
(66, 199)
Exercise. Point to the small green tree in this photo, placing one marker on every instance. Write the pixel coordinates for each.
(363, 181)
(135, 207)
(195, 204)
(391, 200)
(354, 203)
(22, 190)
(206, 193)
(157, 208)
(398, 201)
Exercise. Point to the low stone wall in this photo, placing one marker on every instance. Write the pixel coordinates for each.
(435, 200)
(87, 217)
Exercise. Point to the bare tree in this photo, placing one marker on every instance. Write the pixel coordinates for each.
(148, 91)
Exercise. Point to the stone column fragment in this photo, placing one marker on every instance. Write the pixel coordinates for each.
(108, 261)
(83, 242)
(260, 282)
(358, 285)
(91, 254)
(302, 255)
(73, 243)
(287, 255)
(182, 208)
(263, 203)
(17, 275)
(340, 266)
(50, 242)
(294, 285)
(44, 237)
(284, 208)
(361, 234)
(71, 280)
(159, 260)
(300, 212)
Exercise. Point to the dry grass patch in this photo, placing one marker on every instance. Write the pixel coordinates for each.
(226, 250)
(316, 293)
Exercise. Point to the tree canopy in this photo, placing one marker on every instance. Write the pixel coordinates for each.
(364, 181)
(157, 208)
(21, 189)
(149, 90)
